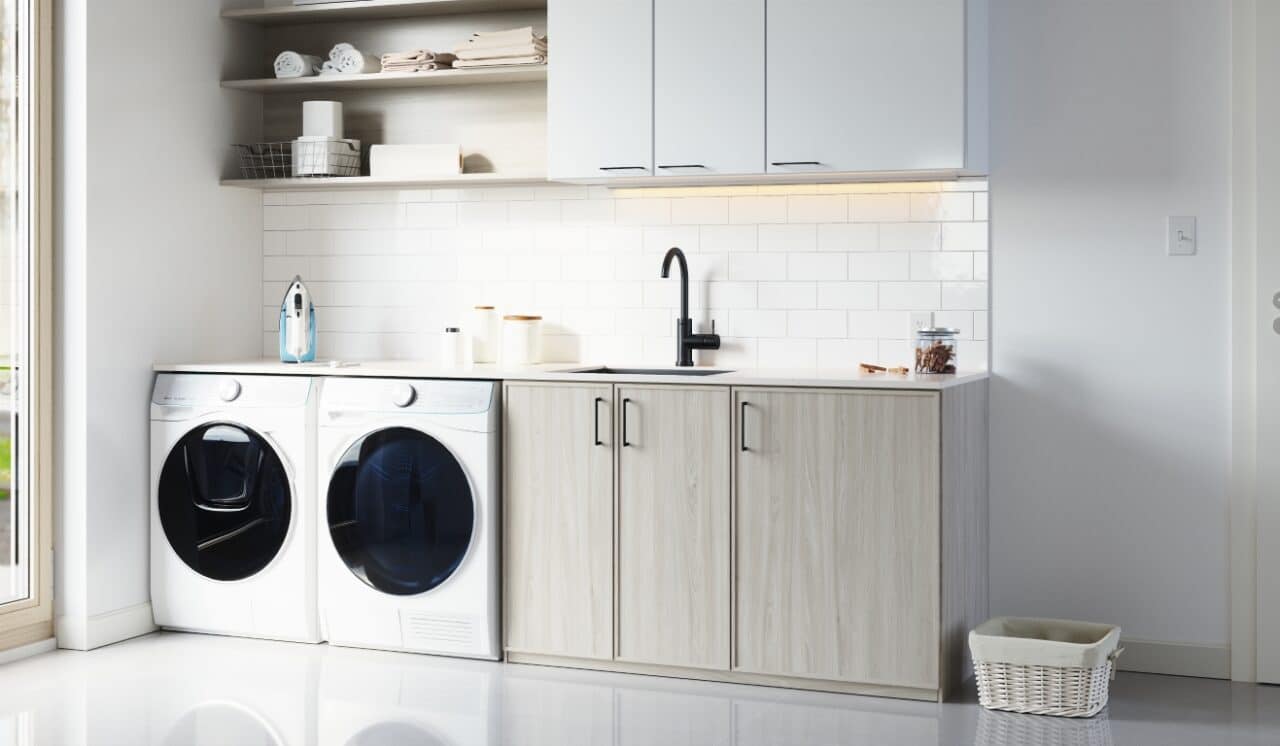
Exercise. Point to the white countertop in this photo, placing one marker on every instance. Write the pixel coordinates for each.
(851, 378)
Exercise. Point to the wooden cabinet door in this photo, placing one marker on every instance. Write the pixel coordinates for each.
(865, 85)
(673, 525)
(708, 93)
(558, 508)
(600, 88)
(837, 535)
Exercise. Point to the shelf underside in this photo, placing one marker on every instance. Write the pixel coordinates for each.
(370, 182)
(372, 10)
(474, 76)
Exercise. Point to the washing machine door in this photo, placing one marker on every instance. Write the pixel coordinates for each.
(401, 511)
(224, 501)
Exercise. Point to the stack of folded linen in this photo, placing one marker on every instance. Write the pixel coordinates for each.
(416, 61)
(519, 46)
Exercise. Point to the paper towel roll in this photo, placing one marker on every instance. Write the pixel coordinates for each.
(322, 119)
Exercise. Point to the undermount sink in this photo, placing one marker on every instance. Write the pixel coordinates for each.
(655, 371)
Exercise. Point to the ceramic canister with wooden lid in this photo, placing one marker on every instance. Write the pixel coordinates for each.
(521, 340)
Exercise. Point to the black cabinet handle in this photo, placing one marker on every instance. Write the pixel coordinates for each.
(595, 411)
(796, 163)
(624, 168)
(684, 165)
(742, 428)
(625, 442)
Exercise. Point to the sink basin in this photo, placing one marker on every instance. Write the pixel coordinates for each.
(655, 371)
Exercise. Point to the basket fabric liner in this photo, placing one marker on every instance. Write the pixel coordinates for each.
(1059, 643)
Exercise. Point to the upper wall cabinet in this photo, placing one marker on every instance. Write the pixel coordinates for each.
(723, 91)
(600, 89)
(708, 93)
(866, 85)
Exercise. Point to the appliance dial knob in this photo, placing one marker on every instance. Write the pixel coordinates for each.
(229, 389)
(403, 395)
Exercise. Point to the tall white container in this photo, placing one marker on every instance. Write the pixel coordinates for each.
(486, 334)
(521, 340)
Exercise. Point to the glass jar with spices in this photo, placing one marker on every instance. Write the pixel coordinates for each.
(936, 349)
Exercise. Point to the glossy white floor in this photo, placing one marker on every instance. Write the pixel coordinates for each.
(193, 689)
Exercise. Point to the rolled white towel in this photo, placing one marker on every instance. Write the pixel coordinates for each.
(339, 48)
(328, 68)
(352, 61)
(294, 65)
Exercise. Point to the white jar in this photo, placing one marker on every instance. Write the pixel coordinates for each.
(521, 340)
(486, 334)
(453, 348)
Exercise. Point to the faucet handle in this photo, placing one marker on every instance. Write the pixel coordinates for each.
(713, 326)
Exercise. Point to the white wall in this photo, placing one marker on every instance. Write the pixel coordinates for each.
(794, 276)
(156, 262)
(1111, 402)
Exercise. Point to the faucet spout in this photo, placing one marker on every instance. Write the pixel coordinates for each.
(686, 340)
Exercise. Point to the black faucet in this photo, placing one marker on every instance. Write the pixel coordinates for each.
(686, 340)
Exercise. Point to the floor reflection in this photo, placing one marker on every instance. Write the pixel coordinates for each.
(212, 691)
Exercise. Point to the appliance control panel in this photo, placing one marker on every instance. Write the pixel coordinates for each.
(408, 396)
(205, 389)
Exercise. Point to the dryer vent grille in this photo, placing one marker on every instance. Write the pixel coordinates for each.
(436, 632)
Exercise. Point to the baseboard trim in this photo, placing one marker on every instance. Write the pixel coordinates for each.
(26, 651)
(1175, 658)
(87, 633)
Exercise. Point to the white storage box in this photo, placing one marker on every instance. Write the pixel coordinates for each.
(414, 161)
(1044, 666)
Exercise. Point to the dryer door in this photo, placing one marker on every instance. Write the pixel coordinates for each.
(401, 512)
(224, 501)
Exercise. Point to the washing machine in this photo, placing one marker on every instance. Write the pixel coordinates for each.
(409, 487)
(233, 508)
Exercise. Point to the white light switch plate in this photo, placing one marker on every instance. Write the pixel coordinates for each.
(1182, 236)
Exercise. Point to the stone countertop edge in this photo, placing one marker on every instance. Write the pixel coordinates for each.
(851, 378)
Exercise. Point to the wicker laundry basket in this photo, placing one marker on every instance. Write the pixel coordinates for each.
(1044, 666)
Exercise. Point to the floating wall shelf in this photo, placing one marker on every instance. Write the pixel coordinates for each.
(475, 76)
(288, 15)
(369, 182)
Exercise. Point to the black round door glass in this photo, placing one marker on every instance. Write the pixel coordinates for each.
(400, 511)
(224, 501)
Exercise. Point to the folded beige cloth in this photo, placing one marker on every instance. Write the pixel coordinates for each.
(499, 39)
(535, 59)
(521, 50)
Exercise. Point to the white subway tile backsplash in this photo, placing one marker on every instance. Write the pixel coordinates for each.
(788, 295)
(880, 265)
(757, 266)
(816, 266)
(908, 296)
(910, 236)
(964, 237)
(817, 209)
(793, 276)
(848, 295)
(728, 238)
(700, 210)
(431, 215)
(964, 296)
(848, 237)
(879, 208)
(755, 210)
(788, 237)
(936, 265)
(817, 323)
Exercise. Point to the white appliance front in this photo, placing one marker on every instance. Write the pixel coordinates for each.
(409, 489)
(233, 505)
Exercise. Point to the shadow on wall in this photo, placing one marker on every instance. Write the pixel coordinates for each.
(1068, 462)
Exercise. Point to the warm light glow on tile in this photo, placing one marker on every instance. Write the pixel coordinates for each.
(883, 187)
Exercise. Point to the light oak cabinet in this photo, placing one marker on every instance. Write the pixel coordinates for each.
(828, 539)
(558, 519)
(837, 535)
(673, 525)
